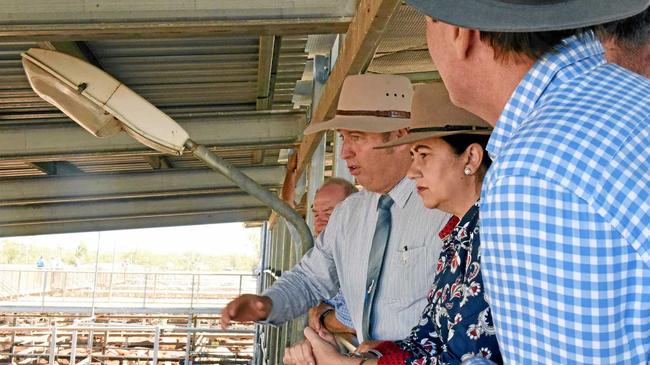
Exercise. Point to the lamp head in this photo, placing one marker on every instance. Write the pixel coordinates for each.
(98, 102)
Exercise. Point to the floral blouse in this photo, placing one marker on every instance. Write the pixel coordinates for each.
(456, 324)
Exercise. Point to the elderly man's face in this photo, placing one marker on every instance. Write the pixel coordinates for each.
(325, 201)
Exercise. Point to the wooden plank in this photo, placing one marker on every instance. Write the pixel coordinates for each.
(360, 43)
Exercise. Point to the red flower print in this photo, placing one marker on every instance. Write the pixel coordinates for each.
(455, 261)
(441, 265)
(473, 332)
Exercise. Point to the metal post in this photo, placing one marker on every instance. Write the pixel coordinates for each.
(110, 288)
(264, 236)
(20, 274)
(188, 341)
(13, 342)
(110, 278)
(73, 350)
(53, 346)
(156, 345)
(99, 237)
(197, 289)
(44, 289)
(317, 166)
(192, 294)
(144, 296)
(155, 284)
(240, 280)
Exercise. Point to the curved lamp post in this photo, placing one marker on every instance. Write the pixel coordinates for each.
(104, 107)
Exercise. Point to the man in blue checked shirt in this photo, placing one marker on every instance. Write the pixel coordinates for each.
(566, 204)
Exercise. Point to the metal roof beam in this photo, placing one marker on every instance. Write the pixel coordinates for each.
(268, 60)
(176, 29)
(221, 129)
(239, 215)
(168, 11)
(162, 183)
(70, 20)
(94, 211)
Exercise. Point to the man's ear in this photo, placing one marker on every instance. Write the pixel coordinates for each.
(463, 41)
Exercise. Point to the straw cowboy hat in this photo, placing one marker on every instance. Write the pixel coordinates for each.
(528, 15)
(371, 103)
(433, 115)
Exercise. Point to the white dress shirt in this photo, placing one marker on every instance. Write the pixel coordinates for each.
(340, 255)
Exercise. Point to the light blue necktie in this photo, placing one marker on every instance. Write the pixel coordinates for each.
(376, 260)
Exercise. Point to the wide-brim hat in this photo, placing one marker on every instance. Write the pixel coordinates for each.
(434, 115)
(371, 103)
(528, 15)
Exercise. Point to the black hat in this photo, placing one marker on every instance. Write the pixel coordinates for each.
(528, 15)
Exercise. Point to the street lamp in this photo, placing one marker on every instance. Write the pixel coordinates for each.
(104, 106)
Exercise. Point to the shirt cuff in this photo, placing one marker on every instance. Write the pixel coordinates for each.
(278, 307)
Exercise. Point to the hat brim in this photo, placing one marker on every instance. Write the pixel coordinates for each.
(419, 136)
(359, 123)
(502, 16)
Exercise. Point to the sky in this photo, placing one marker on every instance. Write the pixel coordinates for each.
(216, 239)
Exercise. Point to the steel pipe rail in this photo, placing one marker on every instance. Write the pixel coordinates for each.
(51, 213)
(161, 183)
(249, 185)
(126, 328)
(131, 221)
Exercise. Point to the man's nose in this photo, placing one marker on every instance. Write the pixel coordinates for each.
(346, 151)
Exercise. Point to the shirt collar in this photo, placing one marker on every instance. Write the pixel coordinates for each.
(551, 66)
(400, 193)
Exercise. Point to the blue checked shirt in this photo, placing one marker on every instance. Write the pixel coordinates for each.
(566, 214)
(339, 259)
(340, 309)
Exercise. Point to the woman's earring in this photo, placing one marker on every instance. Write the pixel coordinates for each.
(468, 171)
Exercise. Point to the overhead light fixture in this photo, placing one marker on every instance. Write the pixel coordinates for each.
(104, 106)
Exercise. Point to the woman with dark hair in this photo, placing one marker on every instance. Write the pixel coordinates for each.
(449, 163)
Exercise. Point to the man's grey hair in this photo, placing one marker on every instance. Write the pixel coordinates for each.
(348, 187)
(630, 32)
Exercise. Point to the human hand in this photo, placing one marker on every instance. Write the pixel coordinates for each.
(292, 163)
(246, 308)
(323, 347)
(299, 354)
(314, 315)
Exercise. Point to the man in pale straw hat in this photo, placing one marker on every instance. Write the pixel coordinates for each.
(566, 206)
(379, 242)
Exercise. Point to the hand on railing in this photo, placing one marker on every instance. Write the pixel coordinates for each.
(246, 308)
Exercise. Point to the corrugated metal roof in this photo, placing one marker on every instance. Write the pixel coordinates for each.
(184, 75)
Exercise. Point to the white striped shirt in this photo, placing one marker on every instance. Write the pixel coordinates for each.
(340, 254)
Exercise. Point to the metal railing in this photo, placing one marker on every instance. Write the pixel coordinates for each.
(56, 335)
(52, 287)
